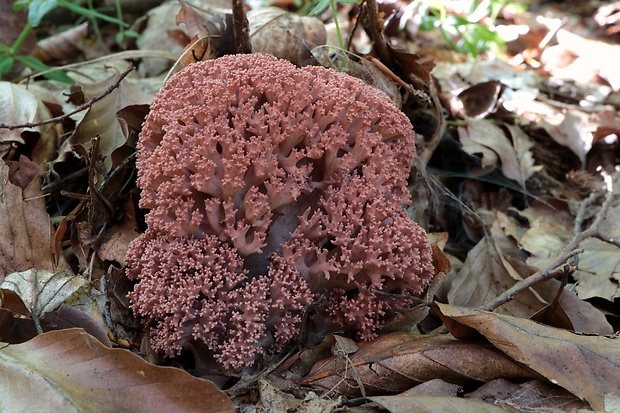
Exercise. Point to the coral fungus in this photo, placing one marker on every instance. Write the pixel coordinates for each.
(270, 188)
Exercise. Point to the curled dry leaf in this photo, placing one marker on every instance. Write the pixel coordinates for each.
(514, 158)
(395, 362)
(101, 118)
(586, 366)
(21, 106)
(42, 291)
(280, 33)
(70, 371)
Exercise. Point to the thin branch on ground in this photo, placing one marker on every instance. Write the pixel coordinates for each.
(556, 268)
(80, 108)
(241, 27)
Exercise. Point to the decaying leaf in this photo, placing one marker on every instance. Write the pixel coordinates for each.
(570, 128)
(534, 395)
(70, 371)
(208, 35)
(25, 228)
(101, 118)
(418, 401)
(487, 273)
(515, 160)
(587, 366)
(395, 362)
(280, 33)
(20, 106)
(42, 291)
(598, 272)
(274, 400)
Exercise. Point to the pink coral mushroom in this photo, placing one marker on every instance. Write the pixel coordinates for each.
(272, 188)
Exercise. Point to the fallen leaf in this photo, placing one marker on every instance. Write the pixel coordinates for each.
(21, 106)
(533, 395)
(432, 404)
(26, 232)
(68, 44)
(598, 272)
(483, 136)
(101, 118)
(570, 128)
(395, 362)
(485, 275)
(42, 291)
(281, 33)
(586, 366)
(274, 400)
(523, 144)
(70, 371)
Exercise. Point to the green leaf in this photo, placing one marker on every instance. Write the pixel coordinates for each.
(32, 62)
(429, 23)
(38, 66)
(20, 4)
(37, 9)
(319, 8)
(90, 13)
(6, 63)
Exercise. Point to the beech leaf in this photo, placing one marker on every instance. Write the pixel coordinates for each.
(71, 371)
(395, 362)
(587, 366)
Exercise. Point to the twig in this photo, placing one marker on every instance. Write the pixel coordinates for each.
(241, 27)
(80, 108)
(555, 269)
(375, 32)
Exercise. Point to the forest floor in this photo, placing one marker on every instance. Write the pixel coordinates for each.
(515, 108)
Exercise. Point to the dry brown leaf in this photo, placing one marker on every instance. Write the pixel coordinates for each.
(156, 36)
(395, 362)
(488, 157)
(209, 35)
(26, 232)
(488, 138)
(280, 33)
(274, 400)
(523, 144)
(20, 106)
(101, 118)
(70, 371)
(405, 403)
(487, 273)
(598, 273)
(477, 101)
(587, 366)
(42, 291)
(577, 315)
(62, 46)
(533, 395)
(570, 128)
(116, 240)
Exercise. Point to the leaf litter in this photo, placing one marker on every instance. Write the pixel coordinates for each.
(521, 180)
